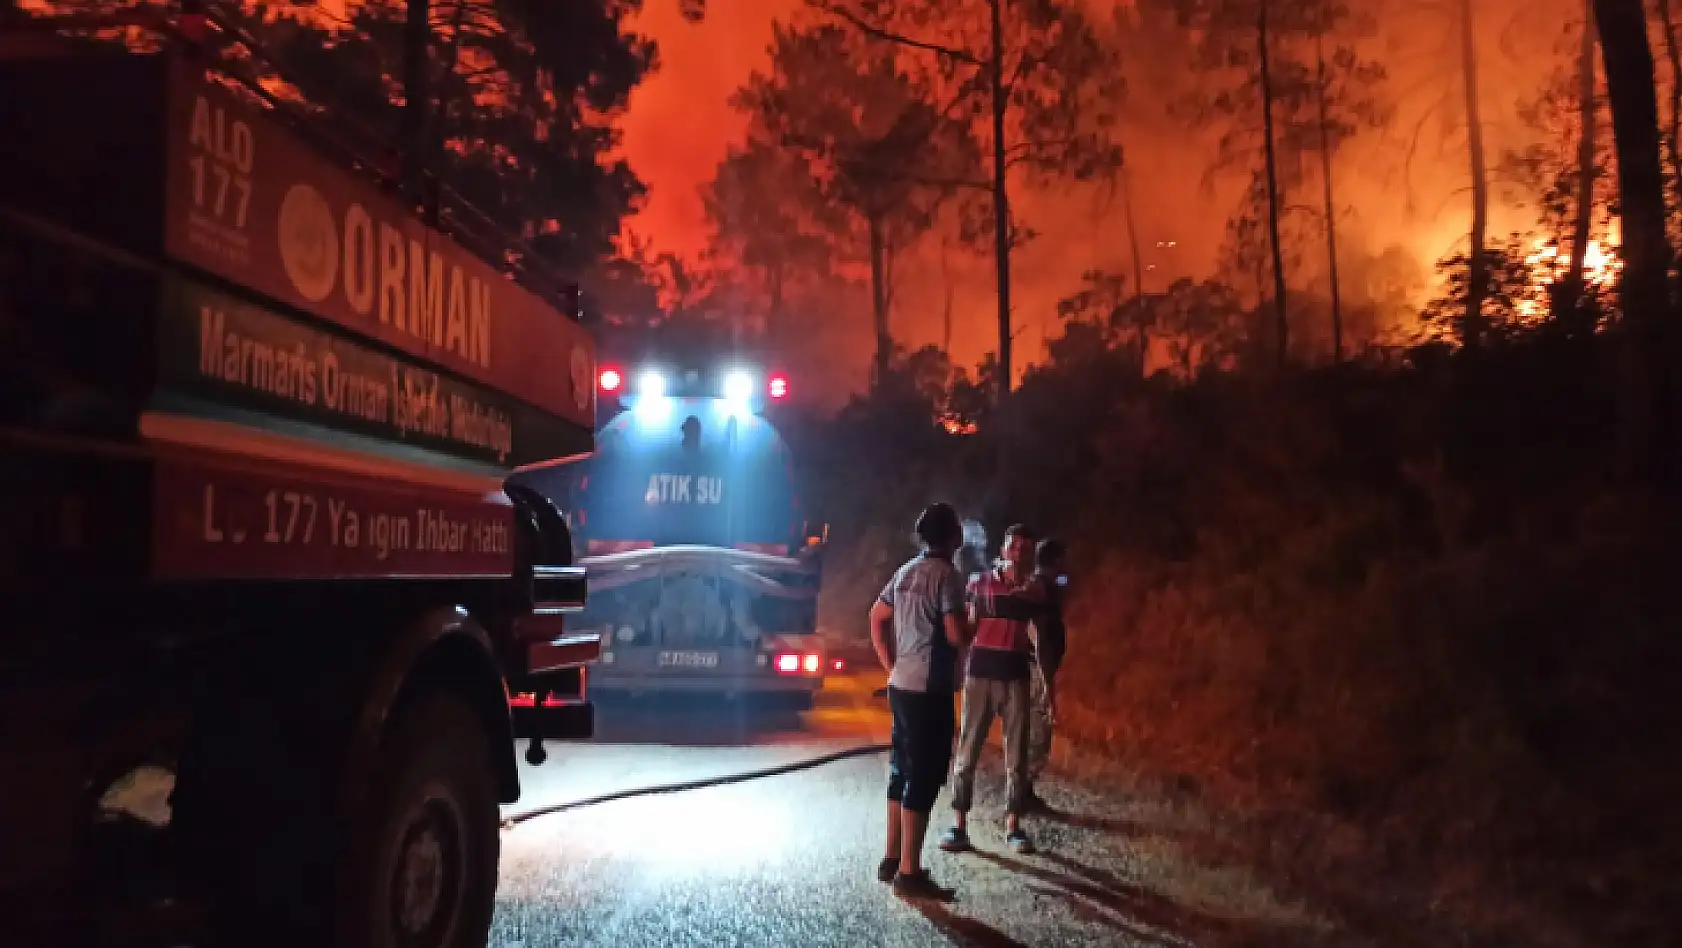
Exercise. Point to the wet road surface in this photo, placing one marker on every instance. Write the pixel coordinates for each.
(790, 860)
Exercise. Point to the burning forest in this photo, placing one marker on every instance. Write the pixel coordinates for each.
(1336, 338)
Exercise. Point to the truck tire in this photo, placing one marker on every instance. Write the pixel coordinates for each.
(423, 855)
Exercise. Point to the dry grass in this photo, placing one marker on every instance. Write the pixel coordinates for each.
(1375, 748)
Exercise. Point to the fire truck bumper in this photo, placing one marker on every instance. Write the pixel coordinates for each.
(602, 681)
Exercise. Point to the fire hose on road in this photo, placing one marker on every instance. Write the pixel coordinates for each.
(862, 750)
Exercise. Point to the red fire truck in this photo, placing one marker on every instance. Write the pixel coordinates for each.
(267, 590)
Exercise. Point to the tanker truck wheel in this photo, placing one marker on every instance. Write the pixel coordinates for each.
(423, 856)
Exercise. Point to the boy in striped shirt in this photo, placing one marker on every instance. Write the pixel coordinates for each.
(1002, 603)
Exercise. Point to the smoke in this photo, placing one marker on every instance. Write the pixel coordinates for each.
(1402, 188)
(680, 124)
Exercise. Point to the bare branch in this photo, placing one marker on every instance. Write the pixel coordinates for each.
(876, 32)
(965, 90)
(1025, 149)
(1036, 150)
(1024, 63)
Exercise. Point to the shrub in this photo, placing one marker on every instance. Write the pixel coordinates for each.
(1404, 596)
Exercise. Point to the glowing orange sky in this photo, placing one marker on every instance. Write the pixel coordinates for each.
(680, 122)
(680, 125)
(1402, 187)
(1399, 192)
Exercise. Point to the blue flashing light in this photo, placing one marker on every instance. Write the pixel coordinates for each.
(738, 386)
(738, 393)
(733, 391)
(651, 384)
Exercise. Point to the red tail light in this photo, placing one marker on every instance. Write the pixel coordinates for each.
(778, 387)
(796, 663)
(526, 699)
(611, 380)
(838, 665)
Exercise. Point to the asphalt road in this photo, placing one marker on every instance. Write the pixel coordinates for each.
(790, 860)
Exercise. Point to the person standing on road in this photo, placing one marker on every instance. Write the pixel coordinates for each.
(918, 626)
(1002, 601)
(1049, 641)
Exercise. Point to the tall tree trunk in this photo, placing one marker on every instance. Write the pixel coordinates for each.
(1001, 197)
(1132, 235)
(1331, 207)
(1587, 114)
(1282, 326)
(1675, 56)
(1649, 432)
(1477, 276)
(879, 298)
(417, 44)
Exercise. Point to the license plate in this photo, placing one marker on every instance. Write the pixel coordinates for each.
(688, 659)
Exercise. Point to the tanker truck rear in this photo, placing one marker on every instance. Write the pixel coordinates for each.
(704, 572)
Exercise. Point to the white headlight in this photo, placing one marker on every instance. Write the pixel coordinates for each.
(651, 384)
(738, 386)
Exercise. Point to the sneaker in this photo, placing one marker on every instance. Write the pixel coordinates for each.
(887, 869)
(918, 885)
(955, 840)
(1019, 842)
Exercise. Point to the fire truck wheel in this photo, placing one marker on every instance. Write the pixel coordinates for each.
(424, 856)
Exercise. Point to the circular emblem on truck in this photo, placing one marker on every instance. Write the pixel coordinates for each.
(309, 242)
(583, 379)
